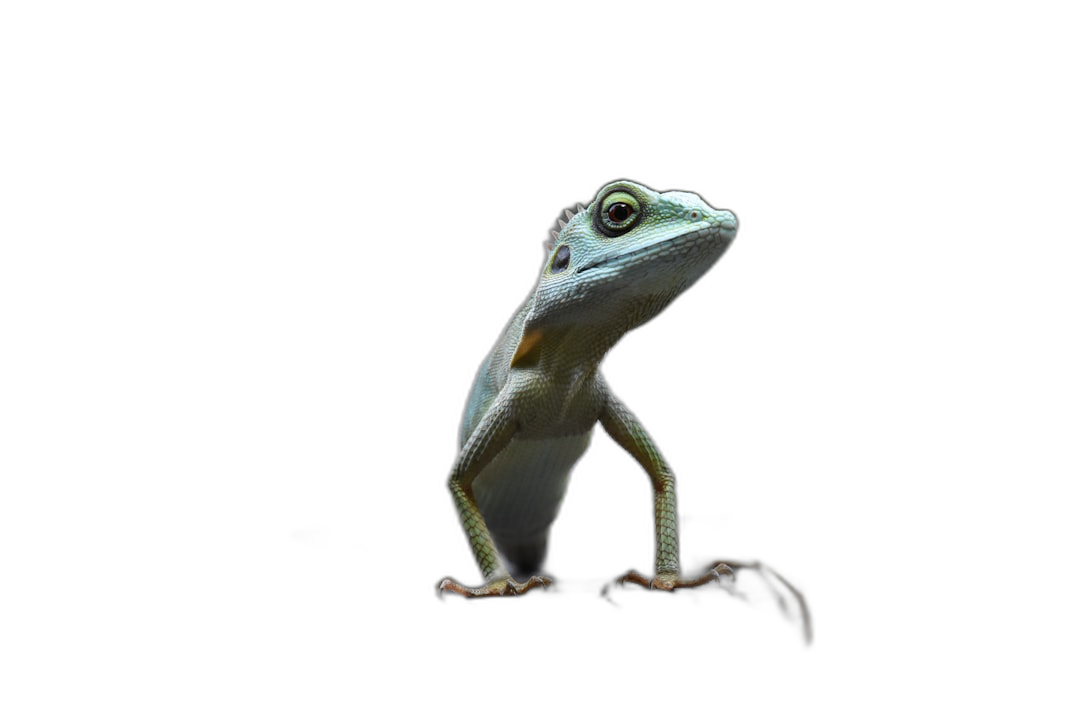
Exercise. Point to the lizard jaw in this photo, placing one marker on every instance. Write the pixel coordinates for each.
(692, 238)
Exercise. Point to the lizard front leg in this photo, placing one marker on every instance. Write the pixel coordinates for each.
(628, 432)
(492, 435)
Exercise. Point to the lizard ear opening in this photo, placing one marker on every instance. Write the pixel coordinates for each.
(561, 261)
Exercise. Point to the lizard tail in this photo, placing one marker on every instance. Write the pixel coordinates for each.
(524, 556)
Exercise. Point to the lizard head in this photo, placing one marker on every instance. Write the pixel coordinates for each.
(621, 260)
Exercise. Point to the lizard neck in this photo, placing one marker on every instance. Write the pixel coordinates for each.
(559, 380)
(576, 344)
(572, 351)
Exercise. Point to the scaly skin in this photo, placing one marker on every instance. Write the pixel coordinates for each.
(615, 265)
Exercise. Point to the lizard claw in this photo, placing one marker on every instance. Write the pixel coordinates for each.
(505, 586)
(669, 581)
(633, 577)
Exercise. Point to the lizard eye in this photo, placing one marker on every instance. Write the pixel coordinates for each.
(561, 260)
(619, 212)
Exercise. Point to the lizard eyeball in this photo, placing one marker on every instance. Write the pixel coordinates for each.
(619, 212)
(561, 260)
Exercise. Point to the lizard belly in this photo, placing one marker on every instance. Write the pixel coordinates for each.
(520, 491)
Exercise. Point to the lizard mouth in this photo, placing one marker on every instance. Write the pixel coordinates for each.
(648, 249)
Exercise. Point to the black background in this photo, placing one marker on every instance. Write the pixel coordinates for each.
(370, 277)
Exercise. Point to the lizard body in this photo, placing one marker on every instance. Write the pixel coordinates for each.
(538, 395)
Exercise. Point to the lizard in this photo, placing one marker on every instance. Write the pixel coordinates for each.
(609, 268)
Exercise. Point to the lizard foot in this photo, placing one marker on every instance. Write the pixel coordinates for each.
(671, 581)
(498, 587)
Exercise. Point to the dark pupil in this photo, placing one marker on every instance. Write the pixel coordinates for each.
(618, 212)
(562, 259)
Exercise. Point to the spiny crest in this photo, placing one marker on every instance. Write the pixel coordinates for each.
(549, 245)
